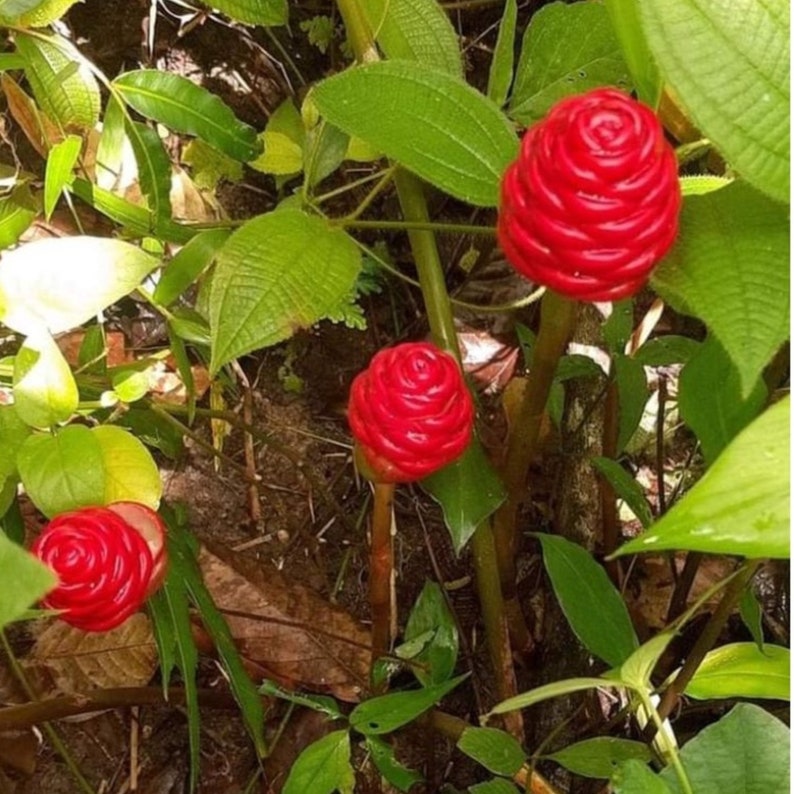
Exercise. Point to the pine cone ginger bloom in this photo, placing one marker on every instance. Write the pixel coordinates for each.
(592, 202)
(106, 566)
(410, 413)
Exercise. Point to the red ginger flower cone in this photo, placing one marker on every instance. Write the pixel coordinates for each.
(106, 566)
(410, 413)
(592, 202)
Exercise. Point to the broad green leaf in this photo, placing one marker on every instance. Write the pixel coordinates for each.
(130, 473)
(431, 122)
(386, 713)
(110, 152)
(61, 283)
(13, 432)
(276, 274)
(284, 139)
(25, 580)
(62, 83)
(742, 670)
(439, 655)
(664, 351)
(8, 498)
(494, 749)
(323, 767)
(154, 167)
(209, 166)
(415, 30)
(322, 703)
(191, 261)
(548, 691)
(60, 162)
(254, 12)
(64, 471)
(632, 396)
(468, 490)
(730, 268)
(741, 504)
(625, 18)
(594, 608)
(636, 671)
(728, 64)
(752, 615)
(567, 49)
(601, 756)
(710, 398)
(10, 9)
(619, 326)
(626, 488)
(743, 753)
(185, 107)
(634, 777)
(153, 430)
(400, 776)
(10, 61)
(324, 151)
(44, 13)
(494, 786)
(700, 184)
(17, 212)
(500, 75)
(45, 392)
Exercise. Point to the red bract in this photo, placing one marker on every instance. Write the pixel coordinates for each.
(410, 412)
(104, 567)
(592, 202)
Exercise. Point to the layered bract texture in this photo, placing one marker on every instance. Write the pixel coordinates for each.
(592, 202)
(410, 412)
(104, 566)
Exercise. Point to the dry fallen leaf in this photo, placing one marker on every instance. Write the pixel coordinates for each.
(294, 635)
(77, 661)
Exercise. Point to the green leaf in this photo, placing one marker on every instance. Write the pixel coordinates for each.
(632, 396)
(395, 773)
(599, 757)
(468, 490)
(321, 703)
(130, 473)
(110, 152)
(496, 750)
(494, 786)
(284, 139)
(17, 212)
(164, 636)
(743, 753)
(64, 471)
(13, 432)
(700, 184)
(276, 274)
(444, 131)
(741, 504)
(185, 107)
(619, 326)
(60, 162)
(626, 487)
(594, 608)
(745, 671)
(154, 167)
(636, 671)
(386, 713)
(37, 291)
(208, 166)
(567, 49)
(14, 8)
(634, 777)
(45, 392)
(710, 398)
(25, 580)
(730, 268)
(323, 767)
(191, 261)
(728, 64)
(752, 616)
(500, 75)
(243, 689)
(325, 149)
(625, 18)
(664, 351)
(61, 81)
(415, 30)
(44, 13)
(153, 430)
(548, 691)
(439, 655)
(254, 12)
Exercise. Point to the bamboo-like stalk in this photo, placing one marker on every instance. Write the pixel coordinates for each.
(381, 570)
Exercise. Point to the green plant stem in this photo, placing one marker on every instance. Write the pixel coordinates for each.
(387, 177)
(346, 188)
(381, 570)
(557, 319)
(52, 734)
(358, 32)
(708, 637)
(416, 224)
(669, 750)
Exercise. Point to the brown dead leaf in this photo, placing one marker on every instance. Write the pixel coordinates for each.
(487, 360)
(70, 343)
(38, 129)
(77, 661)
(293, 634)
(18, 751)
